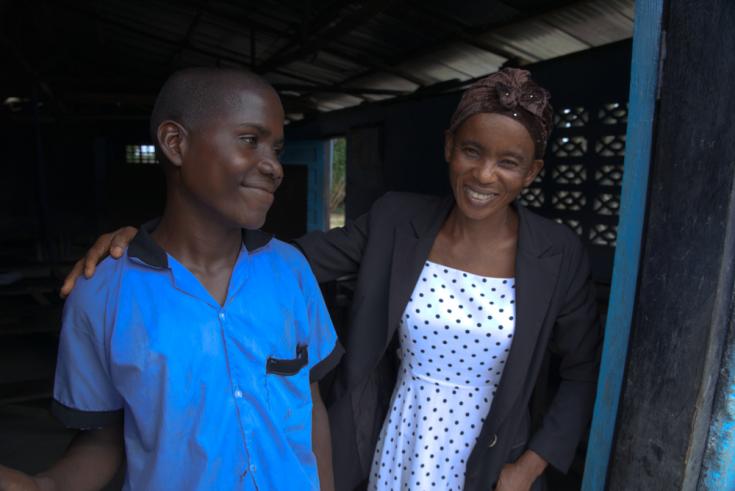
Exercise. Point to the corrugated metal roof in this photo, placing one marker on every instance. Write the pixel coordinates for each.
(559, 32)
(326, 54)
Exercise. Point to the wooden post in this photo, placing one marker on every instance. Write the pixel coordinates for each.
(684, 303)
(642, 103)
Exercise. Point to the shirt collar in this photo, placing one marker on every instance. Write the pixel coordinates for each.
(146, 250)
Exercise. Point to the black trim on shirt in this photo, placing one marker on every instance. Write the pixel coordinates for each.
(85, 420)
(325, 366)
(281, 366)
(144, 248)
(255, 239)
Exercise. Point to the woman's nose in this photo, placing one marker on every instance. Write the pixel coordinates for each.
(487, 171)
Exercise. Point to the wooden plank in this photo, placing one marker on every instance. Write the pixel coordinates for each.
(684, 300)
(642, 101)
(718, 471)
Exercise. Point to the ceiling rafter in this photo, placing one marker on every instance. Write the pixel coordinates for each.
(234, 22)
(458, 30)
(360, 48)
(473, 32)
(377, 65)
(32, 72)
(142, 32)
(566, 32)
(186, 40)
(338, 89)
(323, 19)
(366, 60)
(322, 38)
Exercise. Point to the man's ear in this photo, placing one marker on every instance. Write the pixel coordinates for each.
(533, 171)
(448, 145)
(172, 141)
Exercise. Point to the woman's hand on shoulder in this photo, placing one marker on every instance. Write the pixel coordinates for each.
(112, 244)
(521, 474)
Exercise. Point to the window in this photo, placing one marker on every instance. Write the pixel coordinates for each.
(140, 154)
(337, 182)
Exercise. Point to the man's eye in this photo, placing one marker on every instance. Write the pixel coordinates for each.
(249, 139)
(509, 163)
(278, 151)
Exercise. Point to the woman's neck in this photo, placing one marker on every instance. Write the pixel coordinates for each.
(498, 227)
(484, 247)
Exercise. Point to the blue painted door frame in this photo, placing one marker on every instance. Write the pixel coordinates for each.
(643, 87)
(313, 154)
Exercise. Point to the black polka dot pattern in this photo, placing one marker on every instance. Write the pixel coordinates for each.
(455, 334)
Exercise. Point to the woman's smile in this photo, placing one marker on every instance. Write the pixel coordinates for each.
(479, 198)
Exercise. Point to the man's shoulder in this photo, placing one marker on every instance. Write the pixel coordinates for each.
(285, 254)
(101, 282)
(287, 261)
(91, 297)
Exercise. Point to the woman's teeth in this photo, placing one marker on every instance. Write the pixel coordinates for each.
(481, 197)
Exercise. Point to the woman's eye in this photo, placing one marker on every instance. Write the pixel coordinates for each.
(249, 139)
(278, 151)
(470, 152)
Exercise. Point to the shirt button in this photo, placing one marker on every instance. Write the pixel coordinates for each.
(238, 393)
(221, 316)
(253, 468)
(494, 440)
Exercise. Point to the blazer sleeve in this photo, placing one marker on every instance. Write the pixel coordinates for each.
(338, 252)
(577, 339)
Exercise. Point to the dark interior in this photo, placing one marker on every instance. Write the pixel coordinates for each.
(79, 78)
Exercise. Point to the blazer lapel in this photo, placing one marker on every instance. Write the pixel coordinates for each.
(410, 250)
(537, 272)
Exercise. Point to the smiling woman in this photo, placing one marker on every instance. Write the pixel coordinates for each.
(491, 159)
(474, 289)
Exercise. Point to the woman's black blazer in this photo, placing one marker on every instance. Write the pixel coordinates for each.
(555, 308)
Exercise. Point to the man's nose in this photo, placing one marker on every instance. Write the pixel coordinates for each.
(271, 167)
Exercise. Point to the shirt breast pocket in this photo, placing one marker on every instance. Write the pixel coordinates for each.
(288, 367)
(289, 394)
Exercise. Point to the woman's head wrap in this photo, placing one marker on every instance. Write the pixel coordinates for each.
(510, 92)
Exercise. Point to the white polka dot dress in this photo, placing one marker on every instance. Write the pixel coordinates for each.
(455, 336)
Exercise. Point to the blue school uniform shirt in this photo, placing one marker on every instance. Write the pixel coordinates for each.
(212, 397)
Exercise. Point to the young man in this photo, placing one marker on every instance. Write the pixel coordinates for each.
(199, 352)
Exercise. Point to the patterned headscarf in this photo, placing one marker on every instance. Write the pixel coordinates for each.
(510, 92)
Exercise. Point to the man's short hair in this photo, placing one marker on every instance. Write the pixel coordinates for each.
(193, 95)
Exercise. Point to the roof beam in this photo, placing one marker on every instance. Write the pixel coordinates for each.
(565, 31)
(326, 17)
(467, 34)
(31, 71)
(377, 65)
(365, 60)
(321, 39)
(337, 89)
(456, 30)
(186, 41)
(68, 6)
